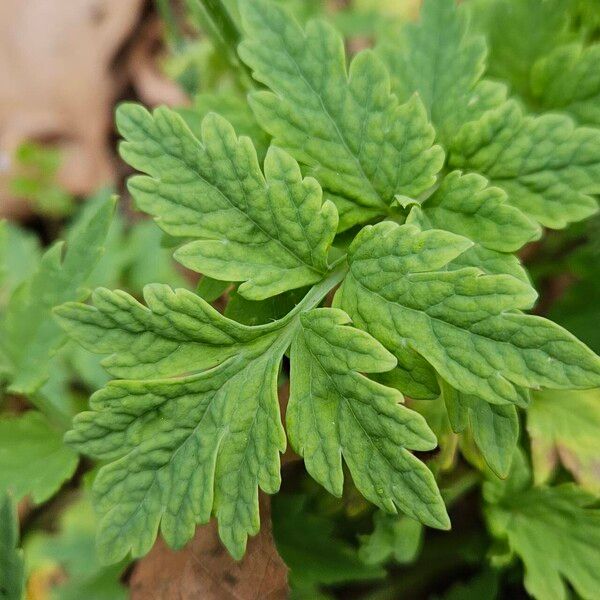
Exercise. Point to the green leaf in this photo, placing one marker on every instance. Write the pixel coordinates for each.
(34, 461)
(72, 551)
(30, 335)
(438, 58)
(466, 323)
(514, 44)
(413, 376)
(310, 548)
(548, 167)
(146, 260)
(19, 257)
(394, 537)
(494, 427)
(334, 411)
(344, 126)
(568, 80)
(489, 261)
(564, 426)
(554, 530)
(11, 559)
(235, 109)
(260, 312)
(464, 204)
(210, 289)
(272, 232)
(184, 443)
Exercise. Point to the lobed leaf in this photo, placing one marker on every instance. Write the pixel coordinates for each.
(489, 261)
(345, 127)
(548, 167)
(568, 80)
(334, 411)
(494, 427)
(441, 60)
(464, 204)
(554, 530)
(29, 334)
(466, 323)
(180, 447)
(271, 231)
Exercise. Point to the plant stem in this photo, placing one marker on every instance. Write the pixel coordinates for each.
(225, 35)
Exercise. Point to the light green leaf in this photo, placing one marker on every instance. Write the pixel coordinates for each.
(489, 261)
(11, 558)
(464, 204)
(344, 126)
(466, 323)
(554, 530)
(272, 232)
(494, 427)
(34, 460)
(234, 108)
(311, 549)
(568, 79)
(548, 167)
(565, 426)
(438, 58)
(184, 443)
(30, 335)
(397, 537)
(334, 411)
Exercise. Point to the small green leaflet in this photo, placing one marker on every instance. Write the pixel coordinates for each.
(465, 323)
(182, 445)
(563, 426)
(568, 79)
(270, 231)
(554, 530)
(440, 60)
(398, 537)
(336, 412)
(29, 333)
(548, 167)
(33, 459)
(11, 559)
(344, 126)
(315, 555)
(489, 261)
(494, 427)
(466, 205)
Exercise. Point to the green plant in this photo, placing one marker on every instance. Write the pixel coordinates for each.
(359, 223)
(431, 288)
